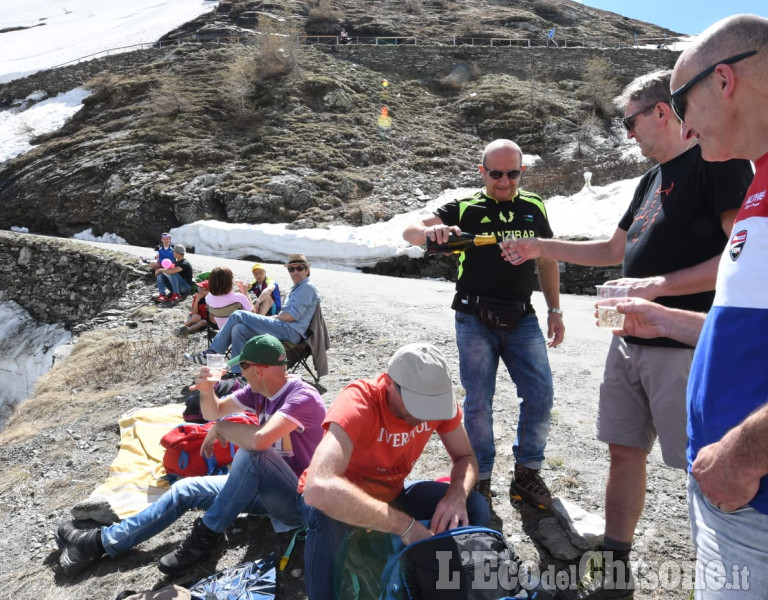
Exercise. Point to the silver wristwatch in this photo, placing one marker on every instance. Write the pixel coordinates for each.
(555, 311)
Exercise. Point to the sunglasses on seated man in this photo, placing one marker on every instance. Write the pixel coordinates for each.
(300, 268)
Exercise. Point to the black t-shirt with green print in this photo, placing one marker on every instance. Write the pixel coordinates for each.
(482, 269)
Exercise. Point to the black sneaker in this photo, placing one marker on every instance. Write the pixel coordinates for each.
(199, 358)
(194, 548)
(528, 486)
(79, 547)
(603, 579)
(483, 487)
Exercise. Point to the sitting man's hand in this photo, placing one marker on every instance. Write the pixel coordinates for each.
(417, 532)
(451, 512)
(202, 383)
(206, 449)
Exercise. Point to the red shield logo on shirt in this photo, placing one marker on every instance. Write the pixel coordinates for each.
(737, 244)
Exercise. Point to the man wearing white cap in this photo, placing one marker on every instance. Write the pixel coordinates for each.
(376, 430)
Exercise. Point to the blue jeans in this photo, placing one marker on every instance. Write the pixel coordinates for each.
(326, 537)
(242, 325)
(524, 352)
(259, 482)
(175, 283)
(731, 550)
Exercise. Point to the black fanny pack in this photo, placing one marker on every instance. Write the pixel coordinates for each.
(493, 313)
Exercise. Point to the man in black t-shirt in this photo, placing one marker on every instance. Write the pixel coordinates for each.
(178, 278)
(670, 240)
(495, 319)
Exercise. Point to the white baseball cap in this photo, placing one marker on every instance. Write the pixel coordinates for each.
(425, 382)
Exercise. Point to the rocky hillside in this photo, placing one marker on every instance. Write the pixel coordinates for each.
(59, 444)
(262, 127)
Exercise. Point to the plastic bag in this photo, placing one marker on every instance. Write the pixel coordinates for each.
(248, 581)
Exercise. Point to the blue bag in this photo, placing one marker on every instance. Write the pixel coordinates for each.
(465, 563)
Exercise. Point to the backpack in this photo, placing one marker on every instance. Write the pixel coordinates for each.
(225, 387)
(182, 444)
(366, 553)
(465, 563)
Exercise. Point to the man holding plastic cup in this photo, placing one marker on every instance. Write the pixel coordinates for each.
(262, 480)
(670, 241)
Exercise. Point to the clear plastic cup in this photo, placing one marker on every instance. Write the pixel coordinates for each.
(612, 291)
(608, 297)
(609, 317)
(216, 364)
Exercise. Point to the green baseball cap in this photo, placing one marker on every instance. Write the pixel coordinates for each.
(261, 350)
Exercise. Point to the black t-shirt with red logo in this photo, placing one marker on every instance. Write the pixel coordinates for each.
(673, 221)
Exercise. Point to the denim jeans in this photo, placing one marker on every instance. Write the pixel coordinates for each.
(524, 352)
(175, 283)
(325, 546)
(731, 549)
(242, 325)
(259, 482)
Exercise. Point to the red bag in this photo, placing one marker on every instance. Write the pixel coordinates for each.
(182, 445)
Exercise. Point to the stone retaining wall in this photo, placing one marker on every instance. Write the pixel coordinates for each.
(576, 279)
(556, 64)
(61, 281)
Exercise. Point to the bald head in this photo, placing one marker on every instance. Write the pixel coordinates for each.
(504, 145)
(720, 89)
(728, 37)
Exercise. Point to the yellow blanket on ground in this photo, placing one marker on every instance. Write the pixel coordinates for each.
(136, 476)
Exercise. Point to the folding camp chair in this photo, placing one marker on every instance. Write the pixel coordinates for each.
(317, 339)
(222, 312)
(297, 355)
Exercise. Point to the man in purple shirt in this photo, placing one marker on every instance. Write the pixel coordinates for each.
(263, 477)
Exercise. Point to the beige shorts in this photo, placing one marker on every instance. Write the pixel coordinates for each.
(642, 397)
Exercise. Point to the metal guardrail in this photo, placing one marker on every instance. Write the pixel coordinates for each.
(206, 39)
(103, 53)
(333, 40)
(562, 43)
(336, 40)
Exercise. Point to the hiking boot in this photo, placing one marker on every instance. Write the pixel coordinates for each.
(483, 487)
(603, 579)
(161, 298)
(174, 297)
(194, 548)
(183, 330)
(79, 547)
(528, 486)
(199, 358)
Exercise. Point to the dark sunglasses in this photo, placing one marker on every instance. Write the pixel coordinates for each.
(629, 120)
(678, 96)
(300, 268)
(244, 364)
(513, 174)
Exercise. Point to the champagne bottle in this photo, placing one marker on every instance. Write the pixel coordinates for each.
(459, 243)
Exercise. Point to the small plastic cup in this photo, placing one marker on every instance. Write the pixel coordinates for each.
(612, 291)
(216, 364)
(608, 297)
(609, 317)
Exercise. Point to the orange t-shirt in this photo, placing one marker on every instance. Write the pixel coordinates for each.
(385, 447)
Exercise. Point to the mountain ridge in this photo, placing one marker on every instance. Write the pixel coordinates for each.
(274, 132)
